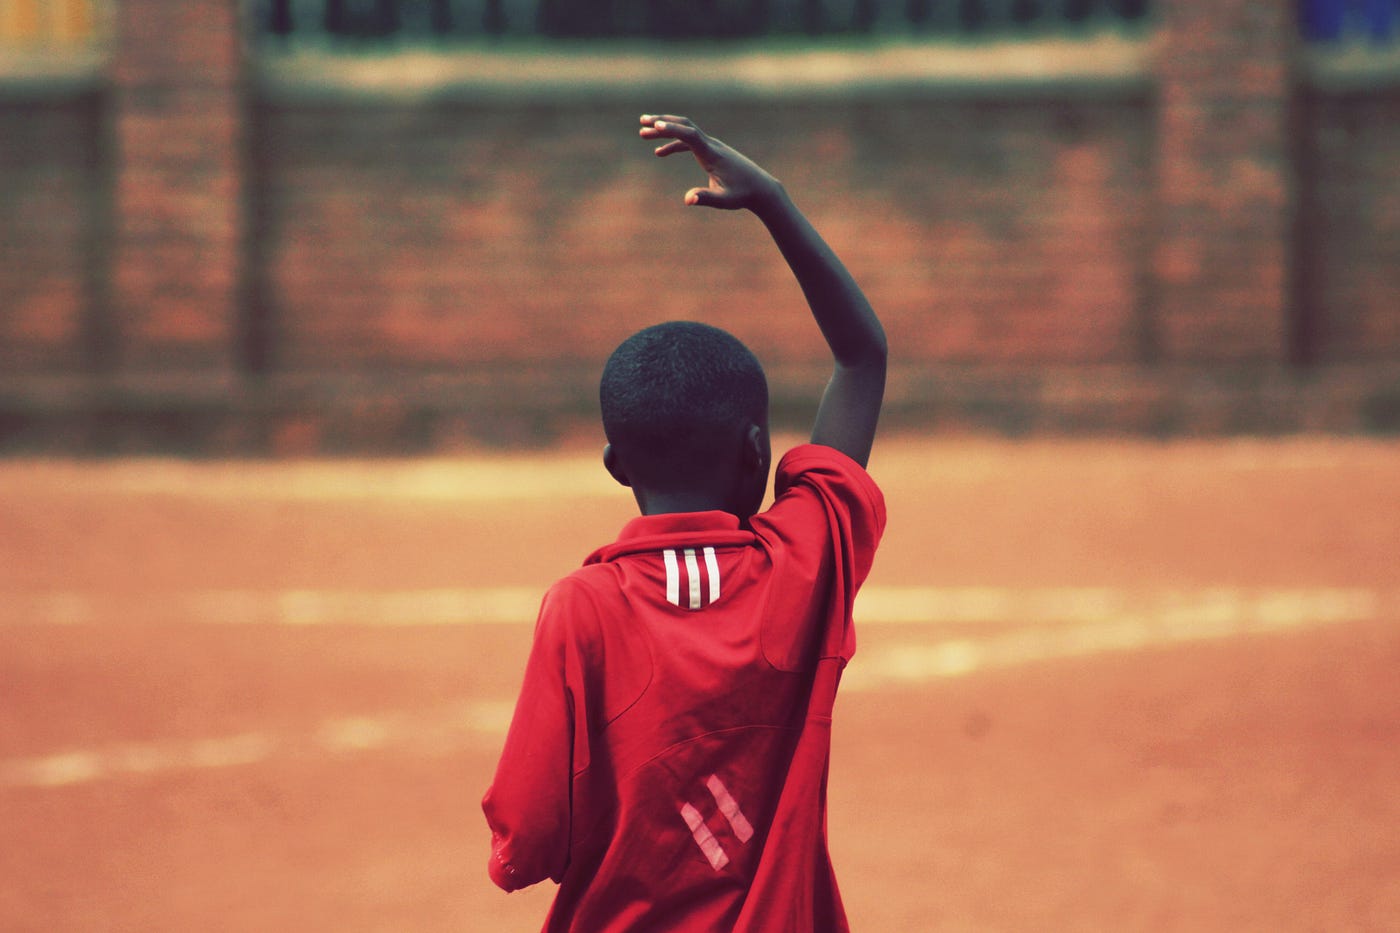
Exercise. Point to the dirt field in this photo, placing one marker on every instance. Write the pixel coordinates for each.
(1100, 686)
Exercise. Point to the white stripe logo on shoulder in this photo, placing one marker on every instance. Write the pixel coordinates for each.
(702, 587)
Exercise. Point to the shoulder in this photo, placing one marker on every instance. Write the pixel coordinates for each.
(822, 532)
(825, 503)
(583, 618)
(570, 609)
(584, 608)
(823, 473)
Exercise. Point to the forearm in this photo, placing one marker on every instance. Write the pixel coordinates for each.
(844, 316)
(850, 406)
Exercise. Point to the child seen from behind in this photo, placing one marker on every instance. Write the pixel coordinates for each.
(667, 762)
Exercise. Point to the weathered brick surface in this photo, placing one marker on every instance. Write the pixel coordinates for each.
(1225, 188)
(1350, 234)
(451, 236)
(50, 206)
(177, 124)
(188, 264)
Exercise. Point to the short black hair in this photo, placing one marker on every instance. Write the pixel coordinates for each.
(674, 396)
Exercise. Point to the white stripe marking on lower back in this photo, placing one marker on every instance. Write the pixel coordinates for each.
(743, 829)
(705, 839)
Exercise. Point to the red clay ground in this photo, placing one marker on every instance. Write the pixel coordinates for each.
(1102, 685)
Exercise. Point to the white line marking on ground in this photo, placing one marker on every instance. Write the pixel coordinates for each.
(484, 479)
(1051, 624)
(1169, 619)
(441, 606)
(911, 605)
(426, 732)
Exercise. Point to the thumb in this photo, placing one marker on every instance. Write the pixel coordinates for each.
(709, 197)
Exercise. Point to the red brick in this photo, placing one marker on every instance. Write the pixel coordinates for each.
(389, 244)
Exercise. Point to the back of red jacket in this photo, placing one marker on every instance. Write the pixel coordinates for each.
(668, 758)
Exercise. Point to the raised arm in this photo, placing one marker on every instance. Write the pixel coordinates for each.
(850, 407)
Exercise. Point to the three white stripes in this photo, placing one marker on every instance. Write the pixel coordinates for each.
(729, 809)
(695, 589)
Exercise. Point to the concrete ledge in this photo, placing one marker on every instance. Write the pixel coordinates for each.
(42, 74)
(1102, 63)
(1352, 66)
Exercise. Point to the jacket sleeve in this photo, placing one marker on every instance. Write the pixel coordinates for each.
(528, 806)
(823, 527)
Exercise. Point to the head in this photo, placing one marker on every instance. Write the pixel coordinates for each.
(685, 410)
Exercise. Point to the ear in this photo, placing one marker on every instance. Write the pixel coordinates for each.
(756, 450)
(614, 466)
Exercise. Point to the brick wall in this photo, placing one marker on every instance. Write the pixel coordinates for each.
(176, 110)
(1225, 186)
(1350, 227)
(50, 210)
(452, 236)
(193, 264)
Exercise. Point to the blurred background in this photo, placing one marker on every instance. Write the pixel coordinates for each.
(327, 227)
(302, 308)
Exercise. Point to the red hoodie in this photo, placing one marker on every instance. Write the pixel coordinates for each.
(668, 758)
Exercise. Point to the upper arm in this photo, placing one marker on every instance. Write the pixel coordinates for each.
(850, 408)
(529, 804)
(826, 523)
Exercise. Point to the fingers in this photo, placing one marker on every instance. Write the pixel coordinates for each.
(654, 125)
(680, 129)
(685, 136)
(671, 148)
(650, 118)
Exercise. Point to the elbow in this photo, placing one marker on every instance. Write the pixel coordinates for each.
(503, 875)
(874, 350)
(870, 357)
(512, 867)
(879, 351)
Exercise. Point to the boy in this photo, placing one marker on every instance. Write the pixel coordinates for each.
(668, 757)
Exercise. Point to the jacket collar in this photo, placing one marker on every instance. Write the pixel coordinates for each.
(674, 529)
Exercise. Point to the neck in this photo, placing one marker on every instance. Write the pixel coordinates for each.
(666, 503)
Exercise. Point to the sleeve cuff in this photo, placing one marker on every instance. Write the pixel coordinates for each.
(503, 875)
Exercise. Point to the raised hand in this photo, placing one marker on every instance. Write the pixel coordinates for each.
(850, 407)
(736, 181)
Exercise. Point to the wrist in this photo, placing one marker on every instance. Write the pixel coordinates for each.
(771, 200)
